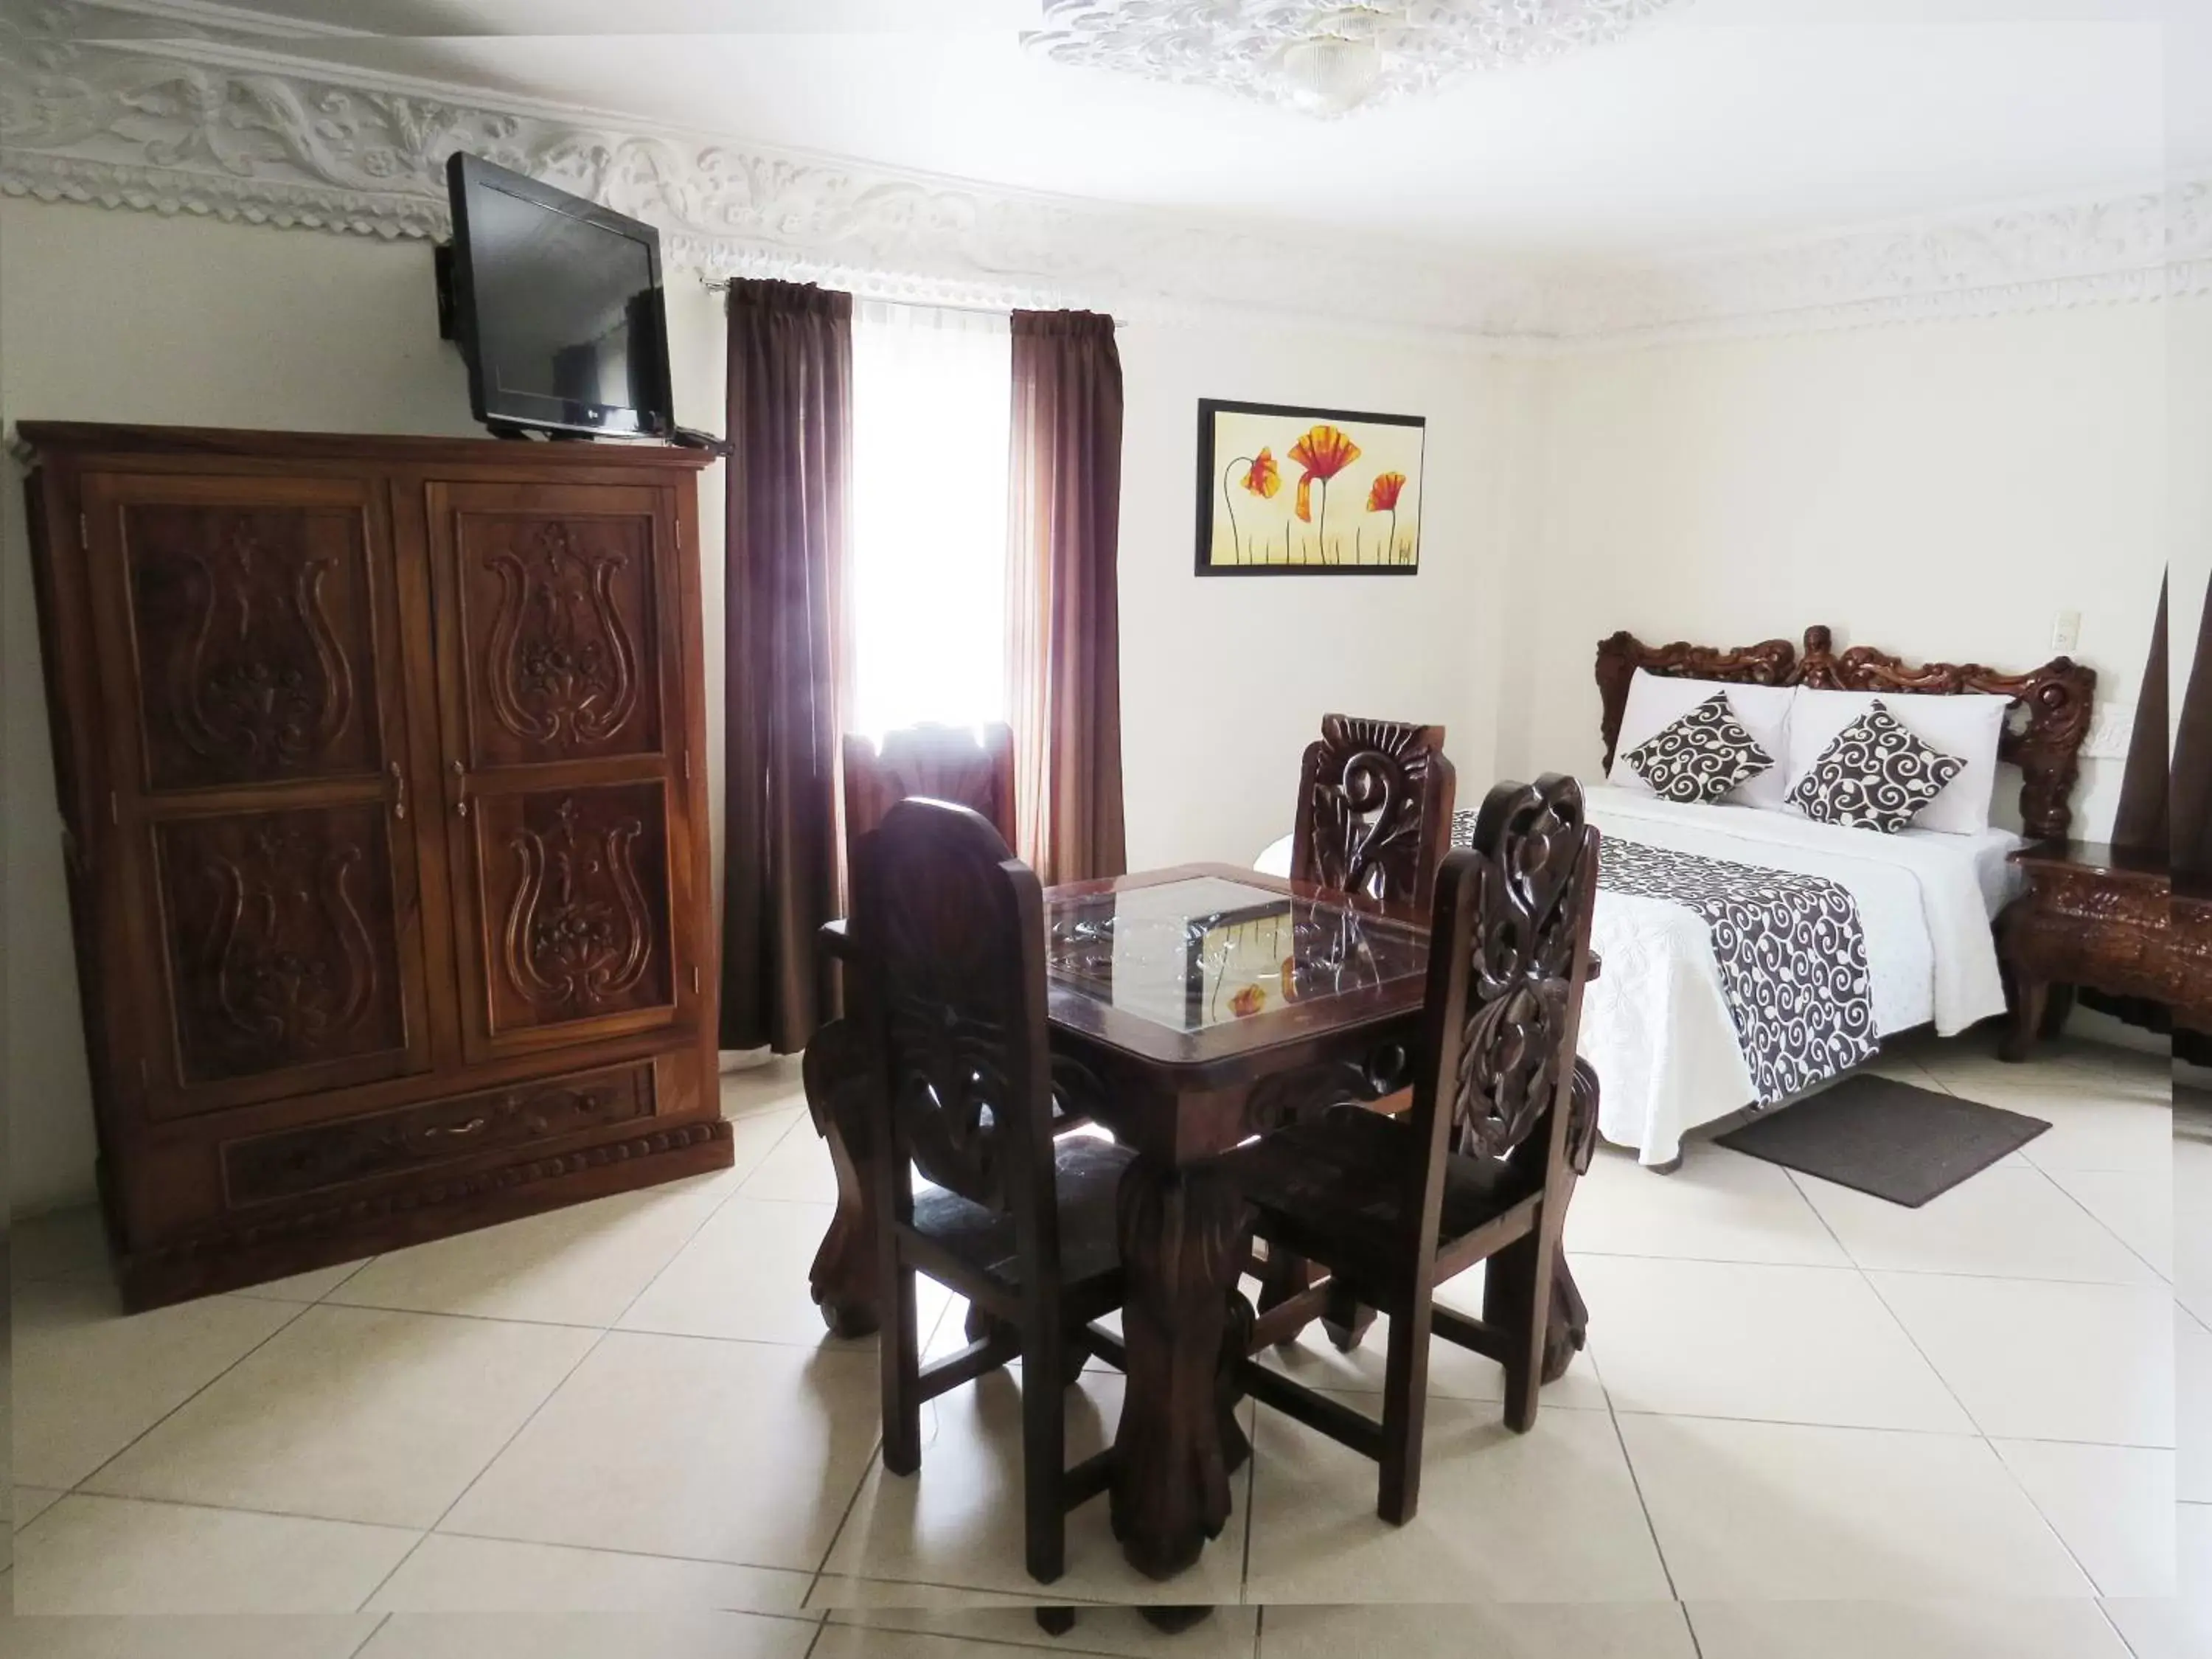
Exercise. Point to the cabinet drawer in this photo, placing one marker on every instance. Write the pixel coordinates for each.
(294, 1161)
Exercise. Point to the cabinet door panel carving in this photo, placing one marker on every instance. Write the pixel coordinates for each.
(577, 904)
(280, 942)
(562, 636)
(255, 642)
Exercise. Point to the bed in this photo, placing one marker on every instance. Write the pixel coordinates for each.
(1683, 1031)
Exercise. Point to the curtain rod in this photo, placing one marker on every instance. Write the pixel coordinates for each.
(722, 285)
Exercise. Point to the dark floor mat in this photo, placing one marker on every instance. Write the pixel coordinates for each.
(1877, 1135)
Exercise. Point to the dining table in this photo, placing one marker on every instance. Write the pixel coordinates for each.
(1190, 1008)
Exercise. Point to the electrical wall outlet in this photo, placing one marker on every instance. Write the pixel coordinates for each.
(2066, 631)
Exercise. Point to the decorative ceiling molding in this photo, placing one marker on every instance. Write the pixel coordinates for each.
(1325, 56)
(208, 121)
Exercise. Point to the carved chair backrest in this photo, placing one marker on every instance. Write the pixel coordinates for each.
(950, 929)
(968, 765)
(1374, 809)
(1508, 955)
(2049, 721)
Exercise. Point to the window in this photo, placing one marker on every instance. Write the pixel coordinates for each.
(932, 390)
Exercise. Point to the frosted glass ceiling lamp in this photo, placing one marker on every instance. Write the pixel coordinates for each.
(1330, 75)
(1325, 56)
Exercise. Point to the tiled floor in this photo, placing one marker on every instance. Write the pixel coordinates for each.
(1811, 1425)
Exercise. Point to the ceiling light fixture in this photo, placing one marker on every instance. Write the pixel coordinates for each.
(1324, 57)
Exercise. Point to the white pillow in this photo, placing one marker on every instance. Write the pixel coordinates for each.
(1968, 725)
(1657, 701)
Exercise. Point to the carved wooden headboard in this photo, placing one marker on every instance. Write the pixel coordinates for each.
(2043, 736)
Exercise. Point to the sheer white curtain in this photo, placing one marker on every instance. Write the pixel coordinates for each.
(930, 393)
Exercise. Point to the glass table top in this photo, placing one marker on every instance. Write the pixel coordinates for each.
(1205, 950)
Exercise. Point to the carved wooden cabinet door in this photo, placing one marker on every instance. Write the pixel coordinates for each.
(560, 648)
(246, 632)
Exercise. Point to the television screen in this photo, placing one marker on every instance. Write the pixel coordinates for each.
(556, 304)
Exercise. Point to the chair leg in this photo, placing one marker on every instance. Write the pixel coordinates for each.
(1405, 1417)
(1285, 1276)
(1055, 1621)
(899, 1345)
(1044, 1451)
(1517, 1300)
(1344, 1320)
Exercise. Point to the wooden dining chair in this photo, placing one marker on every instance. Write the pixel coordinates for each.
(1374, 818)
(1374, 809)
(1478, 1169)
(949, 982)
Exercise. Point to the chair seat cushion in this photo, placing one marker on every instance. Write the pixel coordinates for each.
(1086, 1174)
(1332, 1188)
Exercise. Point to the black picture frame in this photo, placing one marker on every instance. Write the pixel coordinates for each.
(1209, 469)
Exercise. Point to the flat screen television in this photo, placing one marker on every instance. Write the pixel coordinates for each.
(556, 303)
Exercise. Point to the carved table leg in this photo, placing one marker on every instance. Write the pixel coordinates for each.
(2031, 998)
(843, 1279)
(1184, 1235)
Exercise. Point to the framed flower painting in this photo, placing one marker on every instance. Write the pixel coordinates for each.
(1283, 491)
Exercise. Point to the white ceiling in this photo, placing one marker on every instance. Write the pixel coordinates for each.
(1722, 122)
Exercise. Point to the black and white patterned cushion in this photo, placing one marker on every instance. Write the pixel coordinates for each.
(1875, 775)
(1701, 756)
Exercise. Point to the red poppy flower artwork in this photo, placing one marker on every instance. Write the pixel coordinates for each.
(1250, 524)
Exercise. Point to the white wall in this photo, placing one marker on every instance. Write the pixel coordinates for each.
(1939, 490)
(130, 316)
(1224, 680)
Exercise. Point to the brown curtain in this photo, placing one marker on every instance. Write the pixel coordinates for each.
(2140, 823)
(2190, 812)
(1063, 601)
(791, 430)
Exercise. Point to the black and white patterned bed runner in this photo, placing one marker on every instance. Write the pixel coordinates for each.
(1790, 948)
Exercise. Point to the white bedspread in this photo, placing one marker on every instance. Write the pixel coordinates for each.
(1655, 1024)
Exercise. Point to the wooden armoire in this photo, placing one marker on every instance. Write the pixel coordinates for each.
(382, 770)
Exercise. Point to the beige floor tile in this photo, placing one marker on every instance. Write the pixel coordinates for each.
(774, 1086)
(32, 1501)
(1454, 1372)
(354, 1414)
(850, 1642)
(2193, 1401)
(2137, 1206)
(1798, 1345)
(2008, 1223)
(1593, 1630)
(310, 1286)
(840, 1597)
(2192, 1226)
(591, 1636)
(2112, 1505)
(489, 1575)
(1771, 1511)
(62, 1243)
(796, 1170)
(2097, 1122)
(1719, 1207)
(2035, 1360)
(108, 1555)
(958, 1522)
(2192, 1554)
(580, 1266)
(1987, 1629)
(743, 1277)
(1550, 1515)
(744, 1452)
(1226, 1633)
(277, 1636)
(2163, 1629)
(88, 1380)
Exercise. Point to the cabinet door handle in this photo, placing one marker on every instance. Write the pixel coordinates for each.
(460, 790)
(398, 791)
